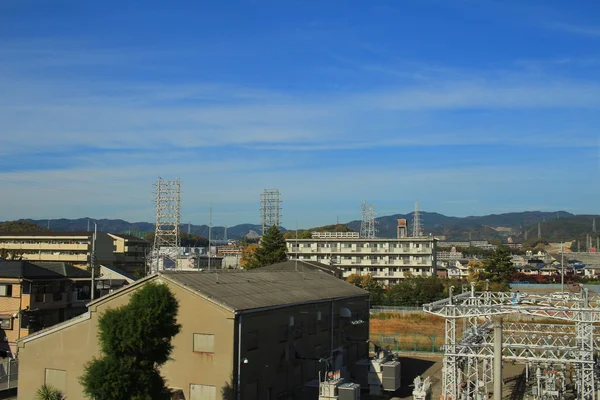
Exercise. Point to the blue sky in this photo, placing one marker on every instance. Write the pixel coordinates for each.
(468, 106)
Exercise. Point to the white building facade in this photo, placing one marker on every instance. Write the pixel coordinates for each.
(387, 260)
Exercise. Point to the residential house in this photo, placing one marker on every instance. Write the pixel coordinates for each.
(458, 269)
(130, 252)
(31, 298)
(261, 335)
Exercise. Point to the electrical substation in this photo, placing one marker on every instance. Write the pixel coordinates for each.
(551, 335)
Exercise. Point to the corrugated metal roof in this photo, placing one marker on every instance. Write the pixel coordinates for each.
(246, 291)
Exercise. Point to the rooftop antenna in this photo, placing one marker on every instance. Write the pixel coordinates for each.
(417, 231)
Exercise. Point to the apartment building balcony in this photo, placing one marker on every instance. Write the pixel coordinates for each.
(68, 258)
(45, 246)
(49, 300)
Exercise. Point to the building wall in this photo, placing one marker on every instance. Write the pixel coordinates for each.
(129, 254)
(70, 348)
(9, 306)
(283, 355)
(387, 260)
(74, 249)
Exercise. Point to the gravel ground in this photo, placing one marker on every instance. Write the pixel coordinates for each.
(414, 365)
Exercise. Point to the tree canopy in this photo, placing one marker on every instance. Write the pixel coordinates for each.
(272, 250)
(135, 341)
(21, 226)
(498, 268)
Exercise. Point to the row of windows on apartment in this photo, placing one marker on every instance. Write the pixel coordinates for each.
(58, 253)
(49, 241)
(373, 258)
(205, 343)
(57, 287)
(365, 245)
(349, 269)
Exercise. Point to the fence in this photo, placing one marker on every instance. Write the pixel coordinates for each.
(396, 310)
(550, 286)
(414, 342)
(9, 374)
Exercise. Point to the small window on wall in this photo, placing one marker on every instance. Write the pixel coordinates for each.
(204, 343)
(203, 392)
(6, 290)
(6, 322)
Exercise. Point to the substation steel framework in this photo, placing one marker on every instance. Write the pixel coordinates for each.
(545, 349)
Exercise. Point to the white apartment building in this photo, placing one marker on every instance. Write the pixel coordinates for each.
(387, 260)
(335, 235)
(68, 247)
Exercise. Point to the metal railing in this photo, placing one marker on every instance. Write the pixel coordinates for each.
(410, 342)
(9, 374)
(396, 310)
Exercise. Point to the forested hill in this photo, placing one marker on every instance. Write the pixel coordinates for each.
(555, 226)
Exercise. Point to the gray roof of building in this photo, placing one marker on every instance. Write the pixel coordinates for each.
(65, 269)
(241, 290)
(26, 270)
(291, 265)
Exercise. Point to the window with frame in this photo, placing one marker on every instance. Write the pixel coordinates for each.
(6, 322)
(204, 343)
(6, 290)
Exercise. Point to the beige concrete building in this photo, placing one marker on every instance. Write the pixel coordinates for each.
(130, 252)
(250, 336)
(69, 247)
(387, 260)
(31, 298)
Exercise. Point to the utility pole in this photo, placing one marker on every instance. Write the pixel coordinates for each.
(93, 262)
(498, 359)
(209, 234)
(562, 268)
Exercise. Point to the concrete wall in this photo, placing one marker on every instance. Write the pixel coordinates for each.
(69, 347)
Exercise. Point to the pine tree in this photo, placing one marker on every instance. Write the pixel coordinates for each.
(135, 340)
(499, 267)
(272, 250)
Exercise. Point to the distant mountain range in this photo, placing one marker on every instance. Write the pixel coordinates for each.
(554, 226)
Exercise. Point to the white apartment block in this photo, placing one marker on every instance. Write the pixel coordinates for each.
(69, 247)
(335, 235)
(387, 260)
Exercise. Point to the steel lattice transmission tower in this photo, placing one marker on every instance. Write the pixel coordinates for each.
(417, 230)
(367, 226)
(168, 201)
(270, 209)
